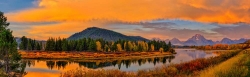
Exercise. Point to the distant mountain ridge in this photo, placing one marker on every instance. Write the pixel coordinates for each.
(199, 40)
(108, 35)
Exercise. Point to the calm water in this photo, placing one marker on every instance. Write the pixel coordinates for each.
(53, 68)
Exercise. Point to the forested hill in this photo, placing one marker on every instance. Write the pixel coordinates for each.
(108, 35)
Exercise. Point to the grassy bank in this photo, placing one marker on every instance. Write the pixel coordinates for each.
(88, 55)
(225, 68)
(237, 66)
(176, 70)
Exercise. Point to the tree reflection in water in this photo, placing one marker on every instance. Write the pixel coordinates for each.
(50, 64)
(61, 64)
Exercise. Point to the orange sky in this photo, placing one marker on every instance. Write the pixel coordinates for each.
(76, 15)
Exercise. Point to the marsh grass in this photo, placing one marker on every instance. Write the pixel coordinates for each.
(2, 73)
(234, 67)
(97, 73)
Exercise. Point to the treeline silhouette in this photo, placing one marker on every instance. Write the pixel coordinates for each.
(30, 44)
(224, 46)
(88, 44)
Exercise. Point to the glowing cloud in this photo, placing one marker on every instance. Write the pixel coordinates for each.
(75, 15)
(222, 11)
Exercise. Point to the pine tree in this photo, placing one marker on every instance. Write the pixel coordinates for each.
(114, 46)
(85, 45)
(169, 45)
(38, 46)
(92, 45)
(48, 44)
(29, 46)
(24, 43)
(33, 44)
(9, 55)
(106, 48)
(165, 46)
(65, 45)
(59, 44)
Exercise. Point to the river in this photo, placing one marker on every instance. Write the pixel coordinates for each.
(53, 68)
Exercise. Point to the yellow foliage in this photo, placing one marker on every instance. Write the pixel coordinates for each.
(119, 47)
(98, 46)
(161, 49)
(152, 47)
(130, 46)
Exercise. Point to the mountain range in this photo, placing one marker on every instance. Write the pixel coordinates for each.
(199, 40)
(108, 35)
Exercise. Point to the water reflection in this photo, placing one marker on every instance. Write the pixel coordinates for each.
(61, 64)
(52, 68)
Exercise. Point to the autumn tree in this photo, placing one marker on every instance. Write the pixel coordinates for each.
(119, 47)
(152, 47)
(161, 50)
(130, 46)
(106, 48)
(98, 46)
(135, 47)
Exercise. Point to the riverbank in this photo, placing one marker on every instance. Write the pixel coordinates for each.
(191, 68)
(237, 66)
(88, 55)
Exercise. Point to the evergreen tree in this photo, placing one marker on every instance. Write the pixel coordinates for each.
(24, 43)
(85, 45)
(165, 46)
(29, 46)
(9, 55)
(169, 45)
(106, 48)
(92, 45)
(38, 46)
(65, 45)
(59, 44)
(33, 44)
(113, 47)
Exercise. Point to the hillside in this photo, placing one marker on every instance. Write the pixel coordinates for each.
(108, 35)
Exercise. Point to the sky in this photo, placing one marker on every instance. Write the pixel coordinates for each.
(164, 19)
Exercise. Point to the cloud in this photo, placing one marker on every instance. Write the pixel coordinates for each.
(222, 11)
(63, 29)
(53, 18)
(182, 34)
(165, 29)
(241, 30)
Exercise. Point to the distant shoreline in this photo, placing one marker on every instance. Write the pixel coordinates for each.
(88, 55)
